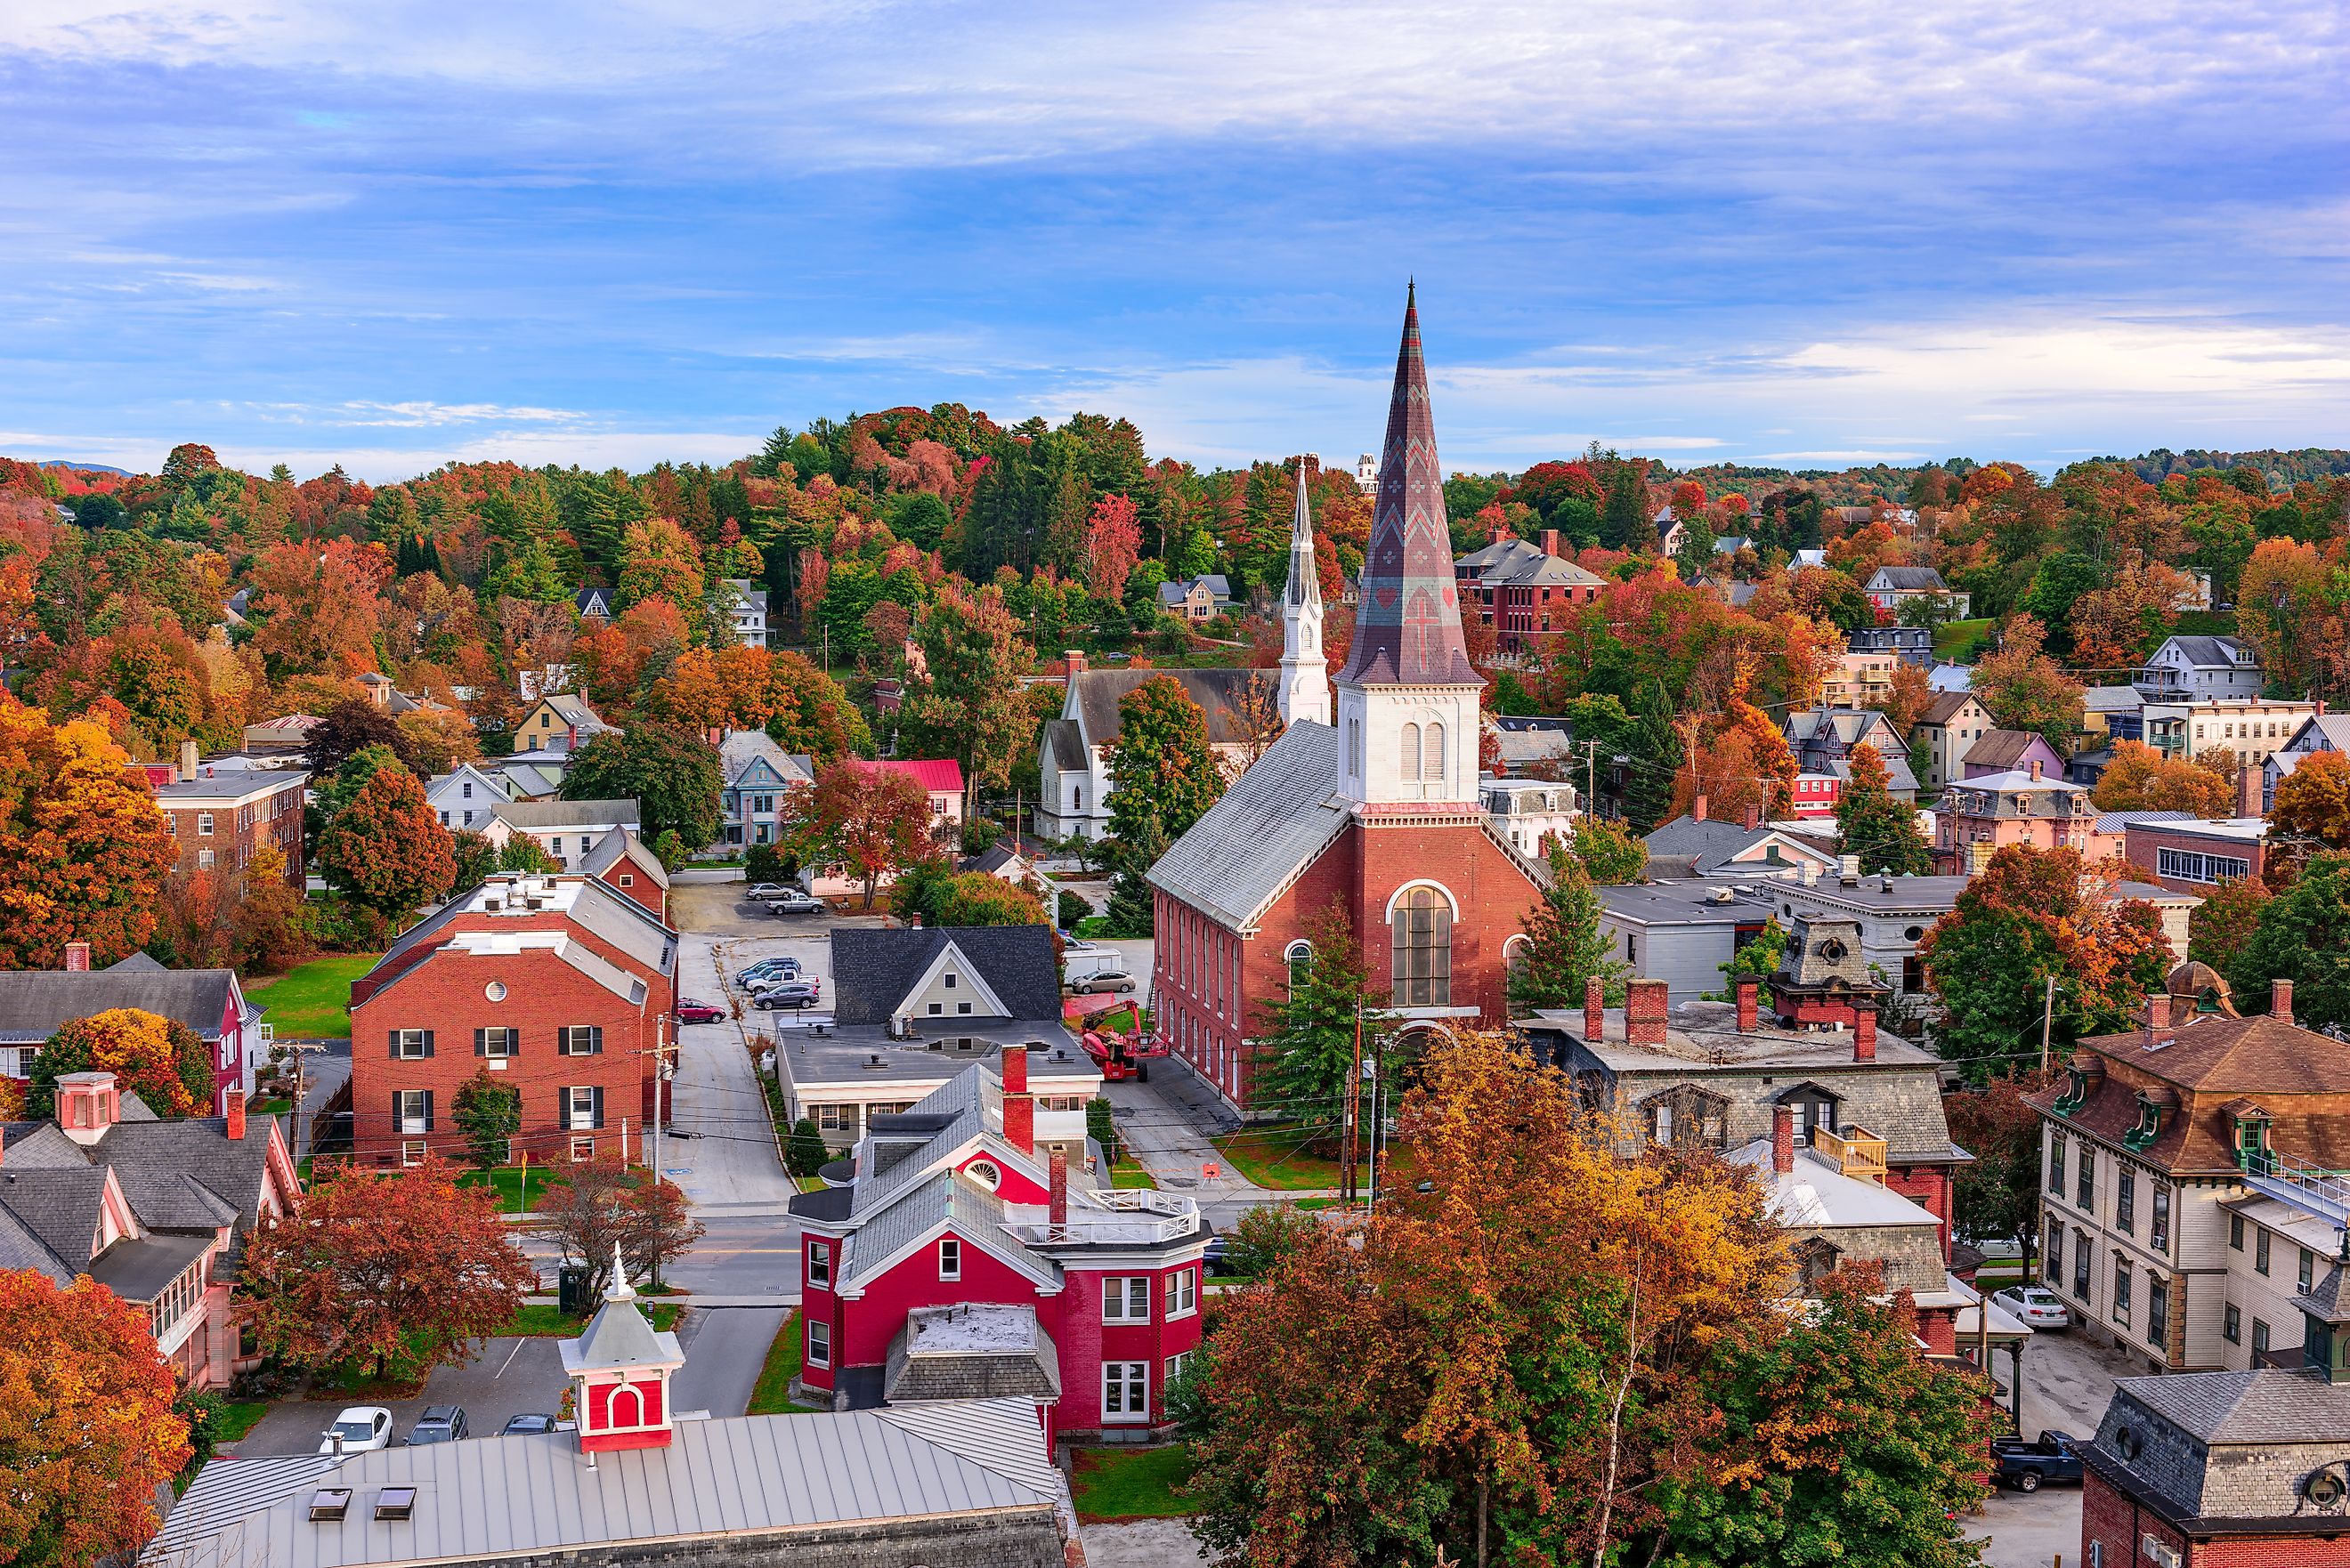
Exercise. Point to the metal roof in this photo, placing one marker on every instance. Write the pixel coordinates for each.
(1271, 824)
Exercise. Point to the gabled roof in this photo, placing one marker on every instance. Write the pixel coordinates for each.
(873, 971)
(2333, 727)
(2209, 652)
(1275, 821)
(177, 1175)
(1909, 579)
(1068, 743)
(1095, 694)
(35, 1002)
(937, 775)
(942, 1200)
(59, 1205)
(2006, 749)
(1946, 706)
(530, 814)
(744, 754)
(593, 601)
(573, 709)
(621, 845)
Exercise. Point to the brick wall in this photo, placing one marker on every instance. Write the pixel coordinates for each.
(2141, 845)
(239, 831)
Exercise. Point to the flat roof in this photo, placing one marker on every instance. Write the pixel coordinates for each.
(1707, 1033)
(843, 1058)
(1690, 903)
(2237, 829)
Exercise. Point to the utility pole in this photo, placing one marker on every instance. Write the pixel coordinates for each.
(1353, 1113)
(1590, 776)
(2047, 1021)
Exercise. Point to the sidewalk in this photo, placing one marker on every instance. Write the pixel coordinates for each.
(1166, 1123)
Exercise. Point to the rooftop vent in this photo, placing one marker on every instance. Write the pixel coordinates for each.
(395, 1502)
(874, 1061)
(328, 1504)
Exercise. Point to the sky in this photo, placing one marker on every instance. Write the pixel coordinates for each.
(392, 235)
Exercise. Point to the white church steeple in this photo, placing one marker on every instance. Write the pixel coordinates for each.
(1305, 674)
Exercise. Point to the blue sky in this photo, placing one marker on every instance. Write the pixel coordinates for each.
(393, 235)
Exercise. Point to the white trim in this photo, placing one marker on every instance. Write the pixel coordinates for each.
(1420, 882)
(938, 966)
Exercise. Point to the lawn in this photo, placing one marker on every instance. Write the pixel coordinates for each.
(312, 1000)
(540, 1320)
(236, 1417)
(1114, 1484)
(1127, 1173)
(1277, 1158)
(773, 1395)
(509, 1181)
(1953, 637)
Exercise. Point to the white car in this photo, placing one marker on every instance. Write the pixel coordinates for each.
(2035, 1307)
(762, 891)
(361, 1427)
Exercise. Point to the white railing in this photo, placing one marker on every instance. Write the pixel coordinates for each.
(1122, 1214)
(2312, 1188)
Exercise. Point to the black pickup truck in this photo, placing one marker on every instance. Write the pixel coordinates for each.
(2052, 1459)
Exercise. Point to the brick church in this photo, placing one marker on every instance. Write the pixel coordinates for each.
(1377, 813)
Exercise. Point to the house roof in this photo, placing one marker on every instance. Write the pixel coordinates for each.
(2267, 1406)
(177, 1175)
(2112, 699)
(1068, 744)
(594, 904)
(2206, 652)
(942, 1200)
(573, 709)
(58, 1204)
(1095, 694)
(937, 775)
(2334, 727)
(1909, 579)
(593, 601)
(621, 845)
(2006, 749)
(1277, 817)
(1515, 562)
(972, 1351)
(34, 1004)
(530, 814)
(742, 750)
(1817, 1192)
(874, 969)
(619, 1336)
(532, 1496)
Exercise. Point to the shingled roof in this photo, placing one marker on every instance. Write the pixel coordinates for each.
(873, 969)
(35, 1003)
(1271, 824)
(1099, 693)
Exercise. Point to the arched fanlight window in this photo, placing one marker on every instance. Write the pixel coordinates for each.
(1299, 956)
(1421, 936)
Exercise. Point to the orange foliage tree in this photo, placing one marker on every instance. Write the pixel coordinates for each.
(2142, 779)
(161, 1060)
(87, 1436)
(83, 847)
(386, 849)
(2312, 802)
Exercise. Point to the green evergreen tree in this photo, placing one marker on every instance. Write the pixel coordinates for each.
(1306, 1039)
(1131, 911)
(1624, 522)
(1655, 759)
(806, 1152)
(1874, 826)
(2304, 936)
(1565, 947)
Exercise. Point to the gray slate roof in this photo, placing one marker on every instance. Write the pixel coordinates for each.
(2268, 1405)
(2210, 653)
(621, 845)
(1269, 826)
(34, 1004)
(1068, 744)
(60, 1206)
(873, 969)
(542, 814)
(943, 1199)
(1099, 693)
(534, 1495)
(1909, 579)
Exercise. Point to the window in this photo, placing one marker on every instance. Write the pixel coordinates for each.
(583, 1109)
(2121, 1288)
(1183, 1293)
(2056, 1163)
(2126, 1201)
(950, 1259)
(819, 1343)
(583, 1149)
(1299, 957)
(203, 825)
(1435, 752)
(413, 1109)
(468, 788)
(1421, 933)
(2261, 1253)
(412, 1044)
(412, 1153)
(582, 1039)
(2051, 1256)
(497, 1044)
(936, 1008)
(2236, 1231)
(2158, 1235)
(1125, 1298)
(836, 1118)
(1175, 1365)
(1126, 1390)
(2308, 1270)
(1408, 759)
(2081, 1264)
(2189, 866)
(2259, 1338)
(444, 819)
(204, 860)
(2232, 1324)
(819, 1264)
(2087, 1198)
(2158, 1310)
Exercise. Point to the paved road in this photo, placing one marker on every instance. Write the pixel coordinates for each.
(725, 1349)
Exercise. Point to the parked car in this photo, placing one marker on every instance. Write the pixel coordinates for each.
(1083, 960)
(796, 904)
(1106, 980)
(439, 1424)
(2050, 1460)
(2037, 1307)
(361, 1427)
(769, 981)
(692, 1012)
(794, 995)
(518, 1425)
(761, 892)
(768, 970)
(1218, 1256)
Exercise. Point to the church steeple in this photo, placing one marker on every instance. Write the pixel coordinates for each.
(1408, 698)
(1305, 674)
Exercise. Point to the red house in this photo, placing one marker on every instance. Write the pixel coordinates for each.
(959, 1263)
(36, 1003)
(1379, 816)
(562, 986)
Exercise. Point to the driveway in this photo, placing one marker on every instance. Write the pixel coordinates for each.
(2068, 1381)
(509, 1377)
(724, 1350)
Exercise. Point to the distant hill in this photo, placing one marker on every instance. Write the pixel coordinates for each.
(81, 467)
(2283, 469)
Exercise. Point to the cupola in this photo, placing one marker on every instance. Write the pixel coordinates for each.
(620, 1371)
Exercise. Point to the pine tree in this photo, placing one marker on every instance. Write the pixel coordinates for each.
(1307, 1038)
(1624, 520)
(1655, 758)
(1564, 945)
(1874, 826)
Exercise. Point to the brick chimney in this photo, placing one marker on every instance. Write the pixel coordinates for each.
(1753, 817)
(1864, 1034)
(2281, 1001)
(1750, 990)
(1697, 809)
(2035, 770)
(187, 759)
(1644, 1012)
(1060, 1212)
(235, 1106)
(1550, 541)
(1594, 1009)
(77, 958)
(1783, 1139)
(2249, 784)
(1076, 658)
(1019, 1106)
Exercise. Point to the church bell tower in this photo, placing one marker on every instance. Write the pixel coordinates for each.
(1305, 674)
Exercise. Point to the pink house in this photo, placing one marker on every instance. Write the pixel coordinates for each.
(942, 780)
(955, 1262)
(1976, 817)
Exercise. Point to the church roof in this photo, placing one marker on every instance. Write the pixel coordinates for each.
(1408, 624)
(1284, 811)
(1097, 694)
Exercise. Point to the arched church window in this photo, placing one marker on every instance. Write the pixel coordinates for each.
(627, 1408)
(1299, 956)
(1409, 751)
(1435, 770)
(1421, 934)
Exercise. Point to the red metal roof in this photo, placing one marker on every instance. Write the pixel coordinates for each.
(939, 776)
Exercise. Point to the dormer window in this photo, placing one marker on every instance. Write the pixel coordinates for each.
(2149, 1124)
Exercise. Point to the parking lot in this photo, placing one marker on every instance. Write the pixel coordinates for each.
(510, 1377)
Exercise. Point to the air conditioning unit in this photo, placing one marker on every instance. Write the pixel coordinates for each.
(2161, 1553)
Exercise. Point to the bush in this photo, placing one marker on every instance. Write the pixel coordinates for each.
(201, 1411)
(1267, 1235)
(765, 863)
(978, 836)
(1073, 910)
(806, 1152)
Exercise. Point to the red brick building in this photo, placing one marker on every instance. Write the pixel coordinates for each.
(561, 986)
(1378, 816)
(2194, 855)
(220, 817)
(1517, 584)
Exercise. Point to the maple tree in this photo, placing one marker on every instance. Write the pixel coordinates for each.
(1161, 765)
(2140, 778)
(88, 1436)
(315, 608)
(1113, 544)
(603, 1203)
(83, 847)
(160, 1060)
(488, 1111)
(1999, 1194)
(676, 778)
(2022, 689)
(659, 561)
(966, 702)
(386, 849)
(344, 730)
(2302, 935)
(383, 1271)
(876, 819)
(1882, 831)
(1608, 852)
(2312, 802)
(2219, 928)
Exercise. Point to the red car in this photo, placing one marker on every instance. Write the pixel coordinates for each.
(690, 1012)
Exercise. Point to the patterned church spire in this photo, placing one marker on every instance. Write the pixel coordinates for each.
(1407, 625)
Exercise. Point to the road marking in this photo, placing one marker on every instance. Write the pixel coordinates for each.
(509, 1360)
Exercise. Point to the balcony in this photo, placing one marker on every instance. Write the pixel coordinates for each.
(1858, 1152)
(2312, 1188)
(1125, 1216)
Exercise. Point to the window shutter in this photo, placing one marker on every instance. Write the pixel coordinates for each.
(595, 1040)
(428, 1045)
(599, 1109)
(395, 1045)
(427, 1103)
(397, 1126)
(481, 1042)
